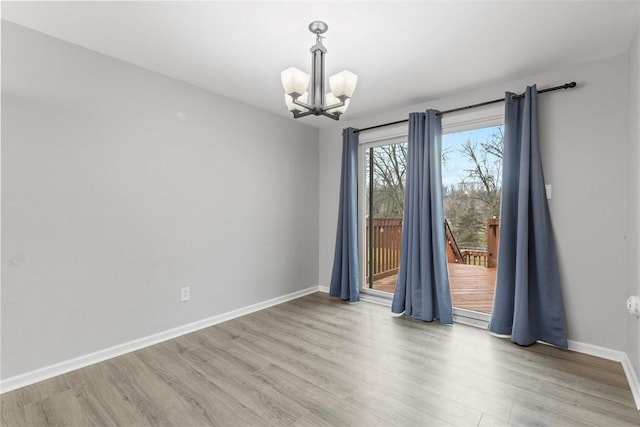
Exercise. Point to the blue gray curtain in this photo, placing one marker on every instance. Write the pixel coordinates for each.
(344, 278)
(422, 290)
(528, 302)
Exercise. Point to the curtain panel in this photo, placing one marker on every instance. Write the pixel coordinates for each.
(346, 270)
(422, 289)
(528, 303)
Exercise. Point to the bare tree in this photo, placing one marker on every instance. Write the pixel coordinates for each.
(485, 173)
(468, 204)
(389, 174)
(477, 196)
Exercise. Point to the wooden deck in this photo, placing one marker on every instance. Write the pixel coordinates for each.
(472, 287)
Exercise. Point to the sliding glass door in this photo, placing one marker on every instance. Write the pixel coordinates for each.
(384, 176)
(471, 168)
(472, 182)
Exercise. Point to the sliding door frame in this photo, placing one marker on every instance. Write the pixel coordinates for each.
(369, 140)
(451, 123)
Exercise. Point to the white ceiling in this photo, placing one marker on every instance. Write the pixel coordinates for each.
(403, 52)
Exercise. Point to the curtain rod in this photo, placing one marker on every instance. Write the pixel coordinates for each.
(467, 107)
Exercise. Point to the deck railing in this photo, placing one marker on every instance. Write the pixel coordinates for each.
(483, 257)
(387, 241)
(475, 256)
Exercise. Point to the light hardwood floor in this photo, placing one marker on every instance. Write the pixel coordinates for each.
(317, 361)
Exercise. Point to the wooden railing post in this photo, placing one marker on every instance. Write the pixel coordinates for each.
(493, 237)
(387, 241)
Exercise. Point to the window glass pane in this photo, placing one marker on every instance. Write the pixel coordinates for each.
(385, 173)
(472, 183)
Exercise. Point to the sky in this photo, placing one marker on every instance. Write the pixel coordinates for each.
(454, 170)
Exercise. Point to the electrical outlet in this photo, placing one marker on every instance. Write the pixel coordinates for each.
(185, 294)
(633, 305)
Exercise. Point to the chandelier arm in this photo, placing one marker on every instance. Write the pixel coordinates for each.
(302, 104)
(333, 116)
(297, 115)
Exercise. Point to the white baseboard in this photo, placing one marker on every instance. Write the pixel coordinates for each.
(632, 377)
(594, 350)
(47, 372)
(324, 289)
(616, 356)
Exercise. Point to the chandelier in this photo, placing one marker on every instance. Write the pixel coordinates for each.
(302, 99)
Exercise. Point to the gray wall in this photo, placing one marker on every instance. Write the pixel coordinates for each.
(633, 197)
(584, 134)
(120, 185)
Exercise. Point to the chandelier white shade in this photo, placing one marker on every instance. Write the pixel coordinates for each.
(343, 84)
(294, 81)
(305, 94)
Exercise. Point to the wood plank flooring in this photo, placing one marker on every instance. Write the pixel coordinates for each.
(317, 361)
